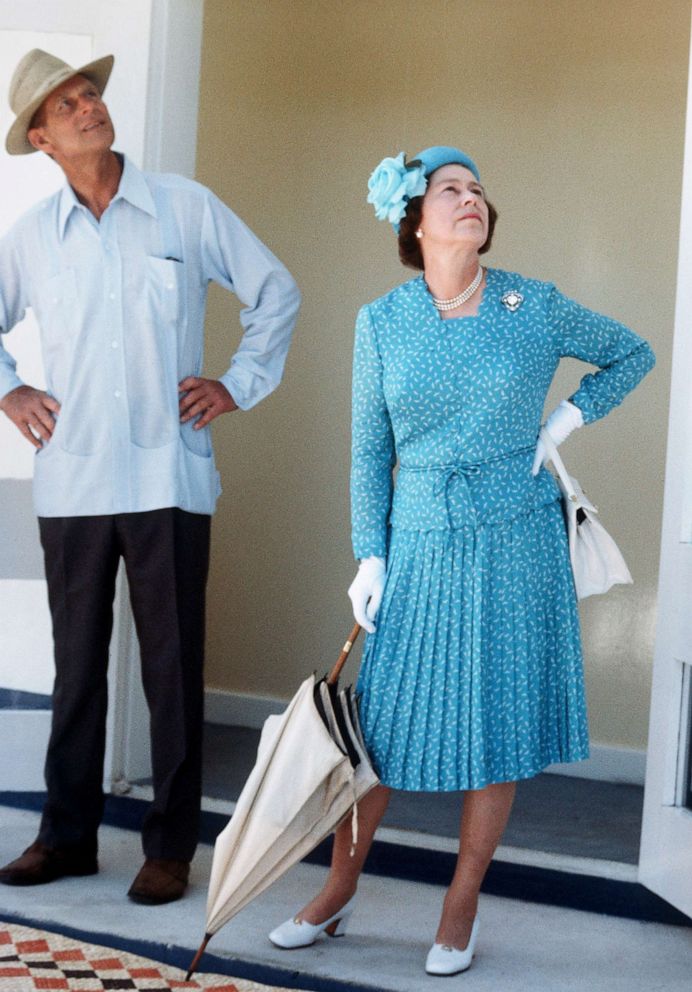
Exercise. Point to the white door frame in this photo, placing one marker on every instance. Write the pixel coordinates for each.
(169, 145)
(665, 864)
(103, 27)
(153, 98)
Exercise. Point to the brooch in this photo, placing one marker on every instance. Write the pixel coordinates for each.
(512, 300)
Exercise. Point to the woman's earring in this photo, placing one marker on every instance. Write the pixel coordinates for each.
(419, 233)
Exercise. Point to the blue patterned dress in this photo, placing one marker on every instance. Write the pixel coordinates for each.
(474, 674)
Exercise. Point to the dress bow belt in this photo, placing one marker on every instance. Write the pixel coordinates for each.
(461, 470)
(447, 473)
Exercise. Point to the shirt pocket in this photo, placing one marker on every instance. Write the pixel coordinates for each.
(68, 358)
(164, 277)
(152, 357)
(55, 306)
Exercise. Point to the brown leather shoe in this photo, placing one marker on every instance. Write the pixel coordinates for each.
(40, 864)
(160, 880)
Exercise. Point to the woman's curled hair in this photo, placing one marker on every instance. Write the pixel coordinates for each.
(409, 245)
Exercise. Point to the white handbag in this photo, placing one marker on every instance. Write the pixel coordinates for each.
(597, 563)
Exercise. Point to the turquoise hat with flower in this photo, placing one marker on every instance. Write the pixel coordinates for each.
(395, 181)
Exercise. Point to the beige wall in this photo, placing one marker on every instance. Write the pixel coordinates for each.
(575, 112)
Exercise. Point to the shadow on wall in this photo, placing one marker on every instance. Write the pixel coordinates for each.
(308, 98)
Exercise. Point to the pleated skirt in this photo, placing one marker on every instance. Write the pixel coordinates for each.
(474, 674)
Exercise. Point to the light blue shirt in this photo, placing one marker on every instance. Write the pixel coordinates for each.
(120, 305)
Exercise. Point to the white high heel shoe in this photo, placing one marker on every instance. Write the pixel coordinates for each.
(445, 960)
(298, 933)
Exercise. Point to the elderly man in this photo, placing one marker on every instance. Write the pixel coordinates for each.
(116, 267)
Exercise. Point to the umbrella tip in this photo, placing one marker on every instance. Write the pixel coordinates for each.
(198, 955)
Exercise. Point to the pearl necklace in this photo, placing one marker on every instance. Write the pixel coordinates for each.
(465, 295)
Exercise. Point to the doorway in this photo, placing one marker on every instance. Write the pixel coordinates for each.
(156, 126)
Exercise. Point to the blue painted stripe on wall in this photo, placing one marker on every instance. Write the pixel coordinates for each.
(16, 699)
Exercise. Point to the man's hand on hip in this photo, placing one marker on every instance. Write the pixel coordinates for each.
(32, 411)
(203, 398)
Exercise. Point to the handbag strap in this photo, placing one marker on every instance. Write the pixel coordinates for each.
(551, 449)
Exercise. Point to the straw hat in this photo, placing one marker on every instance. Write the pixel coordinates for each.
(36, 76)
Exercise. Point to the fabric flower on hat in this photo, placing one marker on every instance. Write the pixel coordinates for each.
(392, 185)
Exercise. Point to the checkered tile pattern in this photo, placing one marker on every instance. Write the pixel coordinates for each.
(32, 960)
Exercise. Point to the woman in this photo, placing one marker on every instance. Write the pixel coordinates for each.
(472, 678)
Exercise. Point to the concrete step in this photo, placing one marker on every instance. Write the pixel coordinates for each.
(523, 946)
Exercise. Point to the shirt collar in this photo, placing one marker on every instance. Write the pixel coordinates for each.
(132, 187)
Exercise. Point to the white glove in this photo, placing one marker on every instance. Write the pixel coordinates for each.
(564, 419)
(365, 592)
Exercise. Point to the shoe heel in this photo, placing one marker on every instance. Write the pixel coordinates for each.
(338, 927)
(297, 933)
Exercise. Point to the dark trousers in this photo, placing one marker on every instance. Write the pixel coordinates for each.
(166, 555)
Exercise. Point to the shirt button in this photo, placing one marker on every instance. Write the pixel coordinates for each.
(111, 296)
(117, 394)
(169, 285)
(114, 344)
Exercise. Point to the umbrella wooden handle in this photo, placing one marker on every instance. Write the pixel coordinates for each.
(341, 660)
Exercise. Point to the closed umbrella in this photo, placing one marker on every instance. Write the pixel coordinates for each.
(310, 772)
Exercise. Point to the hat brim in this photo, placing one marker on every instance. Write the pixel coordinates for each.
(97, 71)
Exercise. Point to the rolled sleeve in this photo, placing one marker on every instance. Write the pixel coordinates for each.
(12, 309)
(236, 259)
